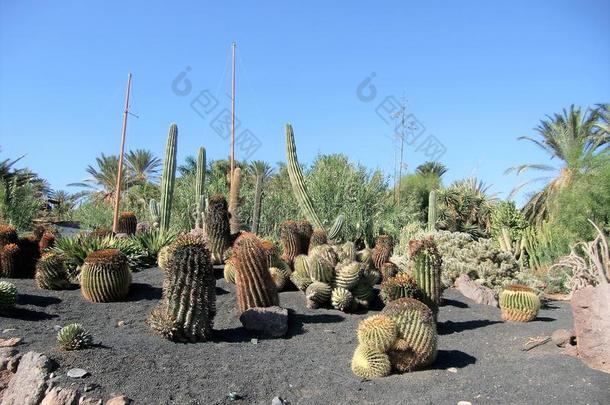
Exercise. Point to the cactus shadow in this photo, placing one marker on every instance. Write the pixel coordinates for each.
(452, 358)
(449, 327)
(144, 292)
(454, 303)
(544, 319)
(232, 335)
(37, 300)
(296, 322)
(25, 314)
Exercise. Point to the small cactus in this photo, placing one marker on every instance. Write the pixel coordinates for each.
(384, 244)
(320, 269)
(363, 292)
(378, 332)
(348, 275)
(230, 270)
(400, 286)
(127, 223)
(317, 294)
(326, 252)
(369, 363)
(9, 260)
(342, 299)
(388, 270)
(300, 280)
(279, 277)
(74, 337)
(51, 272)
(8, 294)
(291, 241)
(348, 252)
(318, 237)
(304, 230)
(163, 256)
(217, 227)
(426, 268)
(105, 276)
(519, 303)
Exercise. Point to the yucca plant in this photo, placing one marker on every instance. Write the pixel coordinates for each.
(74, 337)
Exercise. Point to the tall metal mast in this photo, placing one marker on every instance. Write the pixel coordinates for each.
(117, 197)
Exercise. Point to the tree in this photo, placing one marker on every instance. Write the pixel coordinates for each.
(142, 166)
(431, 168)
(62, 204)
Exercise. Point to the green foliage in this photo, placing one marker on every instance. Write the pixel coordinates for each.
(74, 337)
(505, 215)
(94, 214)
(8, 294)
(415, 192)
(20, 203)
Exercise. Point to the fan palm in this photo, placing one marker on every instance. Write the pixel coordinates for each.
(101, 184)
(573, 138)
(142, 166)
(62, 203)
(260, 172)
(431, 168)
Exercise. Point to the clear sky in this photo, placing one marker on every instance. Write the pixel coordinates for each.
(475, 74)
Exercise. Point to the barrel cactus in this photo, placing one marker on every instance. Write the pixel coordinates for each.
(348, 275)
(217, 227)
(230, 270)
(426, 269)
(388, 270)
(291, 241)
(300, 280)
(127, 223)
(384, 245)
(370, 363)
(105, 276)
(46, 241)
(74, 337)
(163, 256)
(347, 252)
(318, 237)
(326, 252)
(304, 230)
(320, 269)
(519, 303)
(9, 260)
(279, 277)
(400, 286)
(8, 234)
(342, 299)
(51, 272)
(8, 294)
(378, 332)
(317, 294)
(186, 312)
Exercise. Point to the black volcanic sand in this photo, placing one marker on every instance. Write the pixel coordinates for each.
(309, 366)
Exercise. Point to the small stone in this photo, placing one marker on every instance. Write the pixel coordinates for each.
(270, 321)
(10, 342)
(9, 330)
(119, 400)
(234, 396)
(120, 323)
(6, 354)
(452, 370)
(13, 363)
(254, 341)
(562, 337)
(464, 403)
(77, 373)
(90, 401)
(57, 328)
(278, 401)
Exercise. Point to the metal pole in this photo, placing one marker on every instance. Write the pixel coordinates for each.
(117, 198)
(233, 46)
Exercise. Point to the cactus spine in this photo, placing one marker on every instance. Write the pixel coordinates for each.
(74, 337)
(105, 276)
(318, 237)
(342, 299)
(127, 223)
(51, 272)
(426, 265)
(200, 188)
(400, 286)
(519, 303)
(9, 260)
(8, 294)
(291, 243)
(369, 363)
(432, 211)
(378, 332)
(217, 227)
(337, 227)
(234, 201)
(255, 287)
(168, 178)
(186, 313)
(297, 181)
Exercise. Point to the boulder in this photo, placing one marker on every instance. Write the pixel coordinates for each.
(29, 384)
(6, 355)
(120, 400)
(591, 312)
(476, 292)
(61, 396)
(270, 321)
(562, 337)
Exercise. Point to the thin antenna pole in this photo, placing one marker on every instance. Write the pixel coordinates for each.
(117, 197)
(233, 46)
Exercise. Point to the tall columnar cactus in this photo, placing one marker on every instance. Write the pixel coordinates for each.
(155, 213)
(298, 182)
(51, 272)
(234, 200)
(260, 171)
(400, 286)
(168, 178)
(291, 242)
(9, 260)
(255, 287)
(318, 237)
(105, 276)
(127, 223)
(432, 211)
(305, 230)
(384, 244)
(217, 227)
(519, 303)
(8, 294)
(337, 227)
(426, 265)
(186, 312)
(200, 188)
(416, 346)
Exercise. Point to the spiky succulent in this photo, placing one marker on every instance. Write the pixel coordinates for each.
(105, 276)
(348, 275)
(317, 294)
(384, 244)
(279, 276)
(318, 237)
(8, 234)
(163, 256)
(388, 269)
(9, 260)
(363, 292)
(369, 363)
(519, 303)
(342, 299)
(320, 269)
(426, 265)
(230, 269)
(400, 286)
(304, 231)
(378, 332)
(291, 241)
(74, 337)
(326, 252)
(51, 272)
(217, 227)
(365, 257)
(347, 252)
(127, 223)
(8, 294)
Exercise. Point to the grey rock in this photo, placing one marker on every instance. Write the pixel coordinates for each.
(90, 401)
(278, 401)
(562, 337)
(119, 400)
(57, 328)
(29, 384)
(270, 321)
(6, 354)
(77, 373)
(476, 292)
(13, 363)
(61, 396)
(9, 330)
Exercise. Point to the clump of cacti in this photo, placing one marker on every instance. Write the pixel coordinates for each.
(291, 241)
(426, 265)
(74, 337)
(255, 287)
(168, 178)
(8, 295)
(52, 272)
(234, 200)
(384, 244)
(127, 223)
(305, 231)
(519, 303)
(188, 307)
(388, 270)
(317, 294)
(400, 286)
(318, 237)
(217, 227)
(9, 260)
(105, 276)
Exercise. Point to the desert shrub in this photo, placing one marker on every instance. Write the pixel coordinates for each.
(505, 215)
(20, 203)
(94, 214)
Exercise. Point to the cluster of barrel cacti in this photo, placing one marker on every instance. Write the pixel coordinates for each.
(402, 338)
(19, 255)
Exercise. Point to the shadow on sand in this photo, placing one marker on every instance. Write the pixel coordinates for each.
(25, 314)
(452, 358)
(36, 300)
(453, 303)
(449, 327)
(144, 292)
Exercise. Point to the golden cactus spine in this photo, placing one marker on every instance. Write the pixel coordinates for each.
(519, 303)
(426, 269)
(384, 244)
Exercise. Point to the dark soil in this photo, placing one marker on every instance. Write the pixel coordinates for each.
(310, 366)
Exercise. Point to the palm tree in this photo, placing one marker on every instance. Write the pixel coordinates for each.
(431, 168)
(260, 172)
(188, 167)
(62, 202)
(573, 138)
(101, 184)
(142, 166)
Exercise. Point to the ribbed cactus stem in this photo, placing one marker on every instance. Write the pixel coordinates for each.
(337, 227)
(200, 188)
(426, 266)
(127, 223)
(258, 197)
(217, 227)
(298, 182)
(155, 213)
(105, 276)
(519, 303)
(432, 211)
(9, 260)
(234, 200)
(168, 178)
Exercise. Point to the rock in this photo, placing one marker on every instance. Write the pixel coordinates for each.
(452, 370)
(476, 292)
(9, 330)
(10, 342)
(120, 400)
(6, 354)
(591, 312)
(270, 321)
(61, 396)
(90, 401)
(29, 384)
(57, 328)
(464, 403)
(13, 363)
(120, 324)
(77, 373)
(278, 401)
(142, 227)
(562, 337)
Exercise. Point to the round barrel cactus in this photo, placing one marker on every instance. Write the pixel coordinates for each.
(384, 245)
(105, 276)
(51, 272)
(519, 303)
(370, 363)
(8, 294)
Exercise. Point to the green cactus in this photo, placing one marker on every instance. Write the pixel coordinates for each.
(377, 332)
(105, 276)
(321, 269)
(365, 257)
(318, 237)
(371, 276)
(9, 260)
(127, 223)
(426, 269)
(255, 287)
(186, 312)
(317, 294)
(347, 252)
(326, 252)
(304, 231)
(300, 280)
(416, 346)
(217, 227)
(155, 213)
(234, 201)
(384, 244)
(400, 286)
(432, 211)
(74, 337)
(519, 303)
(230, 270)
(363, 292)
(388, 269)
(279, 277)
(298, 183)
(200, 188)
(369, 363)
(337, 227)
(260, 172)
(342, 299)
(291, 243)
(163, 256)
(168, 178)
(348, 275)
(8, 295)
(51, 272)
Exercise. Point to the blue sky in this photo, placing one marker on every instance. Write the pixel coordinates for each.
(475, 74)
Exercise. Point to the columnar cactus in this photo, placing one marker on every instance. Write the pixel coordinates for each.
(416, 346)
(200, 188)
(384, 244)
(186, 312)
(51, 272)
(74, 337)
(255, 287)
(234, 200)
(127, 223)
(519, 303)
(8, 295)
(105, 276)
(318, 237)
(290, 239)
(155, 213)
(217, 227)
(426, 269)
(399, 286)
(298, 182)
(9, 260)
(304, 230)
(432, 211)
(337, 227)
(168, 178)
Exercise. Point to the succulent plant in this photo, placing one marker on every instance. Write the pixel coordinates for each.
(519, 303)
(304, 230)
(8, 234)
(426, 269)
(363, 292)
(163, 256)
(320, 269)
(74, 337)
(186, 312)
(371, 276)
(384, 244)
(347, 252)
(326, 252)
(416, 346)
(432, 211)
(291, 241)
(348, 275)
(46, 241)
(155, 213)
(337, 227)
(388, 269)
(200, 187)
(105, 276)
(9, 260)
(317, 294)
(369, 363)
(8, 294)
(365, 257)
(217, 227)
(168, 178)
(234, 201)
(51, 272)
(255, 287)
(127, 223)
(318, 237)
(377, 332)
(399, 286)
(300, 280)
(230, 270)
(342, 299)
(279, 277)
